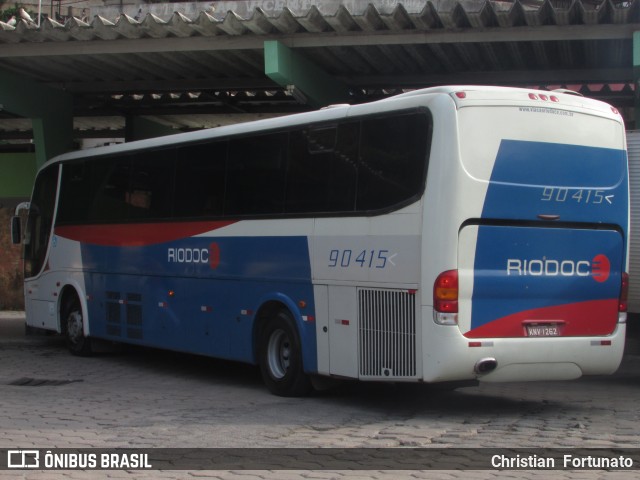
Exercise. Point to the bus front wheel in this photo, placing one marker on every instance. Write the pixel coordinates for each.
(281, 357)
(73, 328)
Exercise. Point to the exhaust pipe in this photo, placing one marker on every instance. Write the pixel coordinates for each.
(485, 365)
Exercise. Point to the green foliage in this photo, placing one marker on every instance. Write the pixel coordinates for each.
(6, 14)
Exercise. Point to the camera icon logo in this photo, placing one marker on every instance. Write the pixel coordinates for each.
(23, 458)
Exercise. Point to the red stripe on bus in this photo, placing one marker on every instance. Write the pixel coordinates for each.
(590, 318)
(137, 235)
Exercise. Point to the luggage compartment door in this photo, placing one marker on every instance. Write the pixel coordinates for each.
(529, 281)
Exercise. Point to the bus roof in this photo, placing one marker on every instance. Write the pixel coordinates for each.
(462, 95)
(467, 95)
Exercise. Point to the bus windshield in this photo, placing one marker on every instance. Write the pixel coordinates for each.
(40, 221)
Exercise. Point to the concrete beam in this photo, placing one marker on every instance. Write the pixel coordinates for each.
(308, 82)
(617, 31)
(50, 110)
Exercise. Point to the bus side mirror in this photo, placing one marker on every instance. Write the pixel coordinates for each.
(16, 223)
(16, 232)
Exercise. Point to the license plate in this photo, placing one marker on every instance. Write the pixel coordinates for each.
(543, 330)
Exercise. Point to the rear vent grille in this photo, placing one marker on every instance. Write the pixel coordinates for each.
(387, 320)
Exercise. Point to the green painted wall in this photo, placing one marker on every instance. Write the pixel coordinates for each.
(17, 172)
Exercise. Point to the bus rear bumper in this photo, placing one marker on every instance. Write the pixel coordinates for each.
(522, 359)
(519, 372)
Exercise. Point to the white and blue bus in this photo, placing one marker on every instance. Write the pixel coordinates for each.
(447, 234)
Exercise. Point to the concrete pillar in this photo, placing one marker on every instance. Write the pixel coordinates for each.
(308, 82)
(50, 110)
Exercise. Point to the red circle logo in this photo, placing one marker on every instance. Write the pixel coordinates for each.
(600, 268)
(214, 255)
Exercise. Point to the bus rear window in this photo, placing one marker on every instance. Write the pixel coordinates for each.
(557, 165)
(548, 148)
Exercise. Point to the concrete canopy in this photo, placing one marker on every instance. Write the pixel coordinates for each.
(189, 69)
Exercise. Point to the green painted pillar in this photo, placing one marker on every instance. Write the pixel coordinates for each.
(50, 110)
(309, 83)
(16, 180)
(53, 133)
(636, 76)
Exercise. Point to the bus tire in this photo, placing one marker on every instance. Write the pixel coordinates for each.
(73, 327)
(280, 357)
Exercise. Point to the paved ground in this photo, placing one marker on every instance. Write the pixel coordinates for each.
(146, 398)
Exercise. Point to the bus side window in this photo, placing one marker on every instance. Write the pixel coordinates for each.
(393, 160)
(200, 180)
(321, 139)
(150, 195)
(109, 204)
(256, 175)
(76, 190)
(322, 171)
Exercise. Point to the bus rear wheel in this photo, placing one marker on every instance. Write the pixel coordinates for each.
(73, 328)
(280, 357)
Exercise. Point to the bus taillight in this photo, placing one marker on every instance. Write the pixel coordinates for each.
(445, 298)
(624, 295)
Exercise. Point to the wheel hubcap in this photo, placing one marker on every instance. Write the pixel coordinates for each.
(74, 326)
(279, 354)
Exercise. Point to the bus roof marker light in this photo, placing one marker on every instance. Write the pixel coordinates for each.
(533, 96)
(461, 94)
(554, 99)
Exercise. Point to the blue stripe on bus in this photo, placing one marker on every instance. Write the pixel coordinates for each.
(578, 183)
(199, 294)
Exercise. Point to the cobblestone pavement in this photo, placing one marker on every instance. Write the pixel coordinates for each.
(145, 398)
